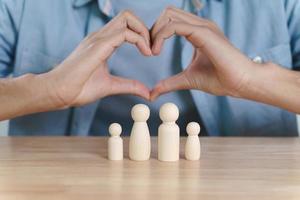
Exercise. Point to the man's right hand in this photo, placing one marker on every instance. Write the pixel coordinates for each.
(84, 76)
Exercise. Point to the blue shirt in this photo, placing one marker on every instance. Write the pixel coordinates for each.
(35, 36)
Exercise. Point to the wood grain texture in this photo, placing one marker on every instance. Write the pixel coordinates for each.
(62, 168)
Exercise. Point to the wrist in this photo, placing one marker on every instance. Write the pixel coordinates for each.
(24, 95)
(38, 93)
(256, 84)
(49, 90)
(265, 80)
(247, 82)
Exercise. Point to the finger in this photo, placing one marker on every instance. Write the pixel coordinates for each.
(177, 82)
(126, 19)
(219, 50)
(126, 86)
(196, 34)
(176, 11)
(101, 50)
(106, 46)
(169, 30)
(162, 20)
(187, 17)
(135, 24)
(136, 39)
(173, 14)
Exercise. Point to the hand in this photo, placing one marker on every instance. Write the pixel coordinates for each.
(84, 76)
(217, 67)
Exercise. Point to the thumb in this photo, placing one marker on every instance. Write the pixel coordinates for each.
(177, 82)
(127, 86)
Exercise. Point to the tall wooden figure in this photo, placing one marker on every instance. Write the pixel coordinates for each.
(139, 143)
(168, 133)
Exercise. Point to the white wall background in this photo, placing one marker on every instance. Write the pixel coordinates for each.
(3, 127)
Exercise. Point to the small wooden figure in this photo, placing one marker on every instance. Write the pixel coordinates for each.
(192, 146)
(115, 142)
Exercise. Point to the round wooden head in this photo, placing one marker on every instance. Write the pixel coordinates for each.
(193, 128)
(140, 113)
(115, 129)
(169, 112)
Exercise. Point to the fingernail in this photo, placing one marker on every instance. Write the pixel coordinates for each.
(154, 51)
(149, 52)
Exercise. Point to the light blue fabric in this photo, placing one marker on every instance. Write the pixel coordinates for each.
(35, 36)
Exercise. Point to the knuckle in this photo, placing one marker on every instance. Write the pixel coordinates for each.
(204, 30)
(212, 25)
(170, 22)
(207, 21)
(169, 9)
(126, 13)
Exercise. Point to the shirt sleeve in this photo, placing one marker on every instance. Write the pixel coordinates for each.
(10, 18)
(293, 21)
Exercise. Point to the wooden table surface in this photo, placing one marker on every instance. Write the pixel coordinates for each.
(39, 168)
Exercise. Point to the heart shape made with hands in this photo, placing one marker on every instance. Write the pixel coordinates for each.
(216, 67)
(174, 21)
(171, 22)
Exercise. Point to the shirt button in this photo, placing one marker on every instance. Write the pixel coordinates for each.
(258, 60)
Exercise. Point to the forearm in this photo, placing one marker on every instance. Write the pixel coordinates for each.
(274, 85)
(24, 95)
